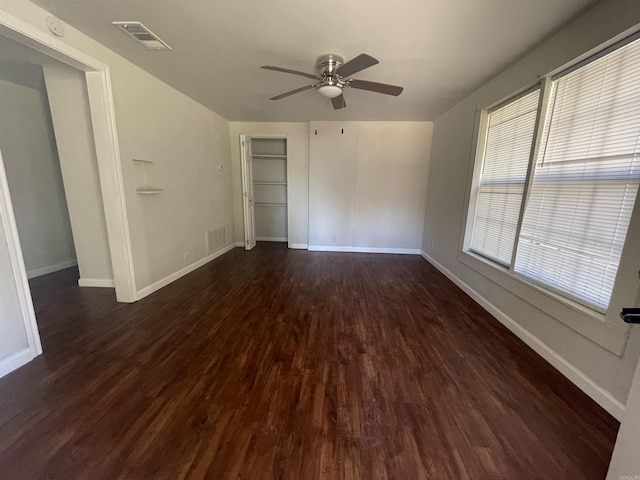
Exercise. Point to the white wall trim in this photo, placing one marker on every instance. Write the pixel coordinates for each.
(239, 244)
(298, 246)
(401, 251)
(154, 287)
(19, 272)
(16, 360)
(40, 271)
(96, 282)
(271, 239)
(103, 118)
(588, 386)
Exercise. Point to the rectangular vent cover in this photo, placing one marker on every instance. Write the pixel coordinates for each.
(142, 35)
(216, 239)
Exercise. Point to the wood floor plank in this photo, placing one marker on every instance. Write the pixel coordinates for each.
(288, 365)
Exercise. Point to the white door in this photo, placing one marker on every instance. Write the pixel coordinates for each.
(247, 193)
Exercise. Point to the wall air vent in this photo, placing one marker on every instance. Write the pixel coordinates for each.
(216, 238)
(142, 35)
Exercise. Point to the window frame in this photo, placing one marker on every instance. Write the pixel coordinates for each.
(602, 327)
(483, 133)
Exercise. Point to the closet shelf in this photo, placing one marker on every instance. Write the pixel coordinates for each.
(269, 183)
(270, 204)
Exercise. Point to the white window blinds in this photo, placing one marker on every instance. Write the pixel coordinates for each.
(504, 168)
(586, 179)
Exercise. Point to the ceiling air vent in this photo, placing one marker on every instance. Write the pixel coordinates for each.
(142, 35)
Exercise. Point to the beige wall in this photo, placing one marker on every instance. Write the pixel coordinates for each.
(33, 172)
(367, 183)
(186, 141)
(297, 171)
(366, 187)
(67, 91)
(13, 333)
(625, 462)
(586, 349)
(187, 144)
(190, 147)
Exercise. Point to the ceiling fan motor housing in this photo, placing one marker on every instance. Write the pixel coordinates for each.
(328, 64)
(331, 84)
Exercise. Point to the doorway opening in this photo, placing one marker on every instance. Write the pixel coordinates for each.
(50, 163)
(48, 189)
(265, 189)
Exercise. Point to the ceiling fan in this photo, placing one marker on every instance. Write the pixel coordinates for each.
(333, 77)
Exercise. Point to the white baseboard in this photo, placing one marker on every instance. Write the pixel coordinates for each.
(588, 386)
(38, 272)
(96, 282)
(16, 360)
(271, 239)
(298, 246)
(401, 251)
(239, 244)
(154, 287)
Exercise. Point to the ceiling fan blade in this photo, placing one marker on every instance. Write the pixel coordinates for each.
(286, 70)
(292, 92)
(338, 102)
(354, 65)
(376, 87)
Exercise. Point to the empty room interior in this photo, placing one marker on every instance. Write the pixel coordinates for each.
(271, 240)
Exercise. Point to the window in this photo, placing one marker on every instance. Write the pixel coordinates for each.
(504, 168)
(568, 226)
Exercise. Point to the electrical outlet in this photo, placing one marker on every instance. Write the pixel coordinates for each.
(186, 255)
(333, 239)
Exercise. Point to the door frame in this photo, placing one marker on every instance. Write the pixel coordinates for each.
(103, 120)
(244, 165)
(248, 207)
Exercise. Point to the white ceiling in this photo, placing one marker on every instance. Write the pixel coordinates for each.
(439, 50)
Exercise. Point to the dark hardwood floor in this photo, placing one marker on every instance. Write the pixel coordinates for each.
(282, 364)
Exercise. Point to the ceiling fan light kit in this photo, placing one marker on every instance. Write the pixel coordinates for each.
(330, 91)
(332, 78)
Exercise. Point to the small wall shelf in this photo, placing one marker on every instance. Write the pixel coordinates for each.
(144, 177)
(149, 191)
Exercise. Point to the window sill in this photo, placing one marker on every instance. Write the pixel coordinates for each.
(587, 322)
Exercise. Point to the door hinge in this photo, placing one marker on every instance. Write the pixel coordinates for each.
(244, 144)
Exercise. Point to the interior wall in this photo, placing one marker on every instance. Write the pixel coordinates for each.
(13, 337)
(601, 372)
(625, 462)
(190, 151)
(189, 145)
(367, 185)
(69, 102)
(33, 172)
(297, 179)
